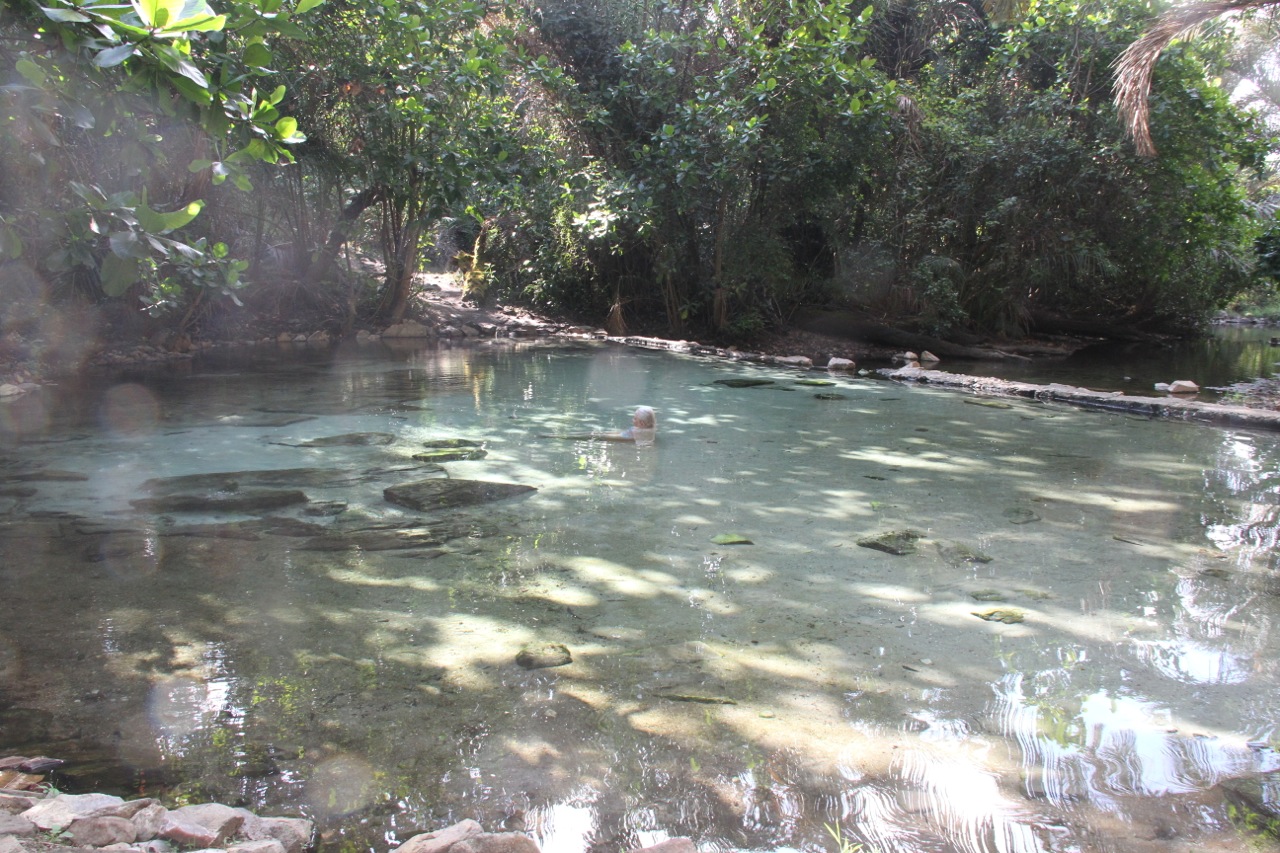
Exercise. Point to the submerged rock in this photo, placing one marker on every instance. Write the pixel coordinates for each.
(445, 454)
(452, 443)
(818, 383)
(988, 595)
(380, 540)
(957, 553)
(544, 655)
(426, 495)
(743, 383)
(990, 404)
(897, 542)
(1008, 616)
(830, 395)
(253, 500)
(230, 481)
(1020, 515)
(350, 439)
(44, 475)
(697, 698)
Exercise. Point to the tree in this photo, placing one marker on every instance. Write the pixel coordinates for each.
(119, 119)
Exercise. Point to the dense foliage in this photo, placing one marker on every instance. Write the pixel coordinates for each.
(703, 167)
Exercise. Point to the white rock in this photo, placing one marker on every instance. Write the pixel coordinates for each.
(101, 831)
(284, 338)
(840, 364)
(57, 813)
(928, 356)
(407, 329)
(8, 389)
(12, 824)
(1183, 386)
(442, 839)
(221, 820)
(796, 360)
(294, 833)
(149, 821)
(1161, 386)
(910, 356)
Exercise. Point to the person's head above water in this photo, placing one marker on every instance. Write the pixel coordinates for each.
(644, 418)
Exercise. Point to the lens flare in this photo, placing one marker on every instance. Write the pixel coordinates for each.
(129, 410)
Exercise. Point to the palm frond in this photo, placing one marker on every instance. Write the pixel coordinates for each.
(1136, 65)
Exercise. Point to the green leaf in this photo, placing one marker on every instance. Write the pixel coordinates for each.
(305, 6)
(65, 16)
(287, 129)
(157, 13)
(257, 55)
(192, 91)
(197, 16)
(10, 244)
(277, 95)
(162, 223)
(113, 56)
(175, 61)
(118, 274)
(32, 72)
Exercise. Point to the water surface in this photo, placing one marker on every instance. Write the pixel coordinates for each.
(748, 696)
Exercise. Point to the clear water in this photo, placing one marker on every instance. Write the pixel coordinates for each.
(376, 691)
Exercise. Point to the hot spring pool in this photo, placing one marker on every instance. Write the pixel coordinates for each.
(1081, 651)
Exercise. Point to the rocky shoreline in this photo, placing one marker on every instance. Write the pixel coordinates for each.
(37, 819)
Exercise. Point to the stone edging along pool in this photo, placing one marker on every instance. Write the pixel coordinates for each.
(1214, 414)
(1114, 401)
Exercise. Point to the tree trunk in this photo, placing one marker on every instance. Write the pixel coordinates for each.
(341, 232)
(406, 266)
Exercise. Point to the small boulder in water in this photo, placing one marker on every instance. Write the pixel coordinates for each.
(426, 495)
(900, 543)
(544, 655)
(1183, 386)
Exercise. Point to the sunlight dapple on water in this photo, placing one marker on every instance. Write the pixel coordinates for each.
(931, 625)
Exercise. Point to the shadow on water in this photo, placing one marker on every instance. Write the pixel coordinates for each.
(1077, 649)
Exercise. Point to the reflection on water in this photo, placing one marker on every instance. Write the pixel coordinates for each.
(352, 660)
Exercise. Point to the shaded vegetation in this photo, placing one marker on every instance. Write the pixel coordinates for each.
(692, 169)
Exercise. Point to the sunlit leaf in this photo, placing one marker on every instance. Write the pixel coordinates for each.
(305, 6)
(162, 223)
